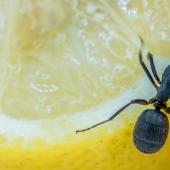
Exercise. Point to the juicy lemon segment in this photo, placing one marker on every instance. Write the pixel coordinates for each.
(62, 65)
(67, 65)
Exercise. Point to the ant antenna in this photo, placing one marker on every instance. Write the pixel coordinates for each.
(152, 65)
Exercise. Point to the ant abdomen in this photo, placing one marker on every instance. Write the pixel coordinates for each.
(151, 131)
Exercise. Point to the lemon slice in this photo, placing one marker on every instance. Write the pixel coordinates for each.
(66, 65)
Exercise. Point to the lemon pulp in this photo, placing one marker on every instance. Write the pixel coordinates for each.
(61, 65)
(67, 65)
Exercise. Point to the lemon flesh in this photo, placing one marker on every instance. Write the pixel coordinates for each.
(66, 65)
(61, 65)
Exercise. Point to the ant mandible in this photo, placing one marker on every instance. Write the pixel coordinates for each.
(152, 126)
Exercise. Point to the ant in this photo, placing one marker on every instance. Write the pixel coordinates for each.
(152, 126)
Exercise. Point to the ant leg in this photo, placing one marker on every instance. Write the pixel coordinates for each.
(167, 110)
(144, 66)
(153, 68)
(135, 101)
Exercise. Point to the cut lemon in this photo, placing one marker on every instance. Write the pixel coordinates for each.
(67, 65)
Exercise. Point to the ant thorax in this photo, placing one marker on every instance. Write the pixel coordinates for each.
(158, 104)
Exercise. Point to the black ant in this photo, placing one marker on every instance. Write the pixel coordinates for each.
(151, 129)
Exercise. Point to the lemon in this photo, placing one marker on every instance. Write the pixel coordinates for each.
(67, 65)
